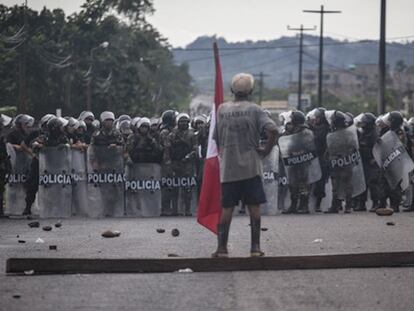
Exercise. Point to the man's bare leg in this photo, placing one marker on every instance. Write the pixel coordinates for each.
(254, 211)
(223, 232)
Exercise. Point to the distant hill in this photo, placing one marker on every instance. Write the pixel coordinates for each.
(279, 58)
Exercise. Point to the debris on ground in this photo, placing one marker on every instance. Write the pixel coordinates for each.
(264, 229)
(53, 247)
(16, 296)
(159, 230)
(175, 232)
(173, 255)
(58, 225)
(34, 224)
(187, 270)
(317, 241)
(390, 223)
(111, 234)
(47, 228)
(22, 241)
(29, 272)
(384, 212)
(40, 241)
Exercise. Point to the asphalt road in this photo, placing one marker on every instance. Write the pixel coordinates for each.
(347, 289)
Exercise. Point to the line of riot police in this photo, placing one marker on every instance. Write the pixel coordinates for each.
(326, 161)
(112, 167)
(351, 156)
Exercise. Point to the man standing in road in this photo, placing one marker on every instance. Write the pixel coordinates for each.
(239, 124)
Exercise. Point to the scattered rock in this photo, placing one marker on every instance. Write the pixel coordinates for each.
(29, 272)
(58, 225)
(187, 270)
(16, 296)
(390, 223)
(22, 241)
(47, 228)
(34, 224)
(317, 241)
(384, 212)
(53, 247)
(264, 229)
(17, 236)
(173, 255)
(175, 232)
(111, 234)
(159, 230)
(40, 241)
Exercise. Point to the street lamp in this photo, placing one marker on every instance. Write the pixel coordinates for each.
(88, 74)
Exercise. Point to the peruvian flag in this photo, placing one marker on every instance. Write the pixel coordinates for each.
(209, 207)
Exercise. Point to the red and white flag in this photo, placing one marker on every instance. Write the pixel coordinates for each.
(209, 207)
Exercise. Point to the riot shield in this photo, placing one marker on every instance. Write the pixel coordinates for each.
(105, 181)
(343, 151)
(182, 187)
(299, 156)
(271, 182)
(79, 183)
(55, 182)
(392, 157)
(143, 189)
(15, 189)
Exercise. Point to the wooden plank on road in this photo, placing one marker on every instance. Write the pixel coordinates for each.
(79, 265)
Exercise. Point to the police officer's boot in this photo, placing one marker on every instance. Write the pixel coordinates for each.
(222, 238)
(28, 210)
(293, 206)
(336, 203)
(318, 205)
(375, 206)
(304, 204)
(255, 237)
(348, 205)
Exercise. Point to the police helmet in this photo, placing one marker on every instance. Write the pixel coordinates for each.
(168, 117)
(297, 118)
(367, 120)
(23, 119)
(107, 115)
(339, 119)
(183, 117)
(144, 121)
(5, 120)
(86, 114)
(46, 118)
(56, 123)
(395, 119)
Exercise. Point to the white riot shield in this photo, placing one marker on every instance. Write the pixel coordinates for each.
(299, 156)
(105, 181)
(143, 189)
(271, 182)
(79, 183)
(343, 150)
(55, 182)
(392, 157)
(183, 188)
(15, 189)
(283, 188)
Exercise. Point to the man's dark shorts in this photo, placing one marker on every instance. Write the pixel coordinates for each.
(249, 191)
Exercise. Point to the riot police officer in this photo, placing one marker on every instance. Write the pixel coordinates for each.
(180, 152)
(141, 146)
(168, 203)
(320, 127)
(88, 117)
(107, 135)
(5, 165)
(367, 139)
(341, 175)
(298, 178)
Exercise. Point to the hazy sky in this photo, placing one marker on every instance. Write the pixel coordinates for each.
(181, 21)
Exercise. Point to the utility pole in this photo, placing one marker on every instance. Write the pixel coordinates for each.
(301, 30)
(382, 59)
(261, 76)
(322, 12)
(22, 69)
